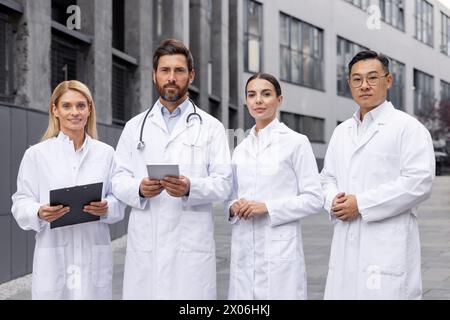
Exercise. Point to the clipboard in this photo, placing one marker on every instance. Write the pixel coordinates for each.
(76, 198)
(159, 171)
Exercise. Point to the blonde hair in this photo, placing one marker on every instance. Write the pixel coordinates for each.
(53, 122)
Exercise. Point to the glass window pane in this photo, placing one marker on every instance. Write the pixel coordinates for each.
(284, 63)
(308, 70)
(307, 47)
(295, 35)
(296, 70)
(253, 54)
(253, 18)
(284, 30)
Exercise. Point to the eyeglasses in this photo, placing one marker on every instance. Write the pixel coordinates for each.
(372, 80)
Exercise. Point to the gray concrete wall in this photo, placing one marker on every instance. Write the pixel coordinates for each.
(96, 21)
(138, 44)
(32, 55)
(20, 128)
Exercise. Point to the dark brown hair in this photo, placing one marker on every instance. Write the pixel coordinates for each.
(172, 47)
(368, 55)
(268, 77)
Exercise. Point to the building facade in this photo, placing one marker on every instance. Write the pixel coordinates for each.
(108, 44)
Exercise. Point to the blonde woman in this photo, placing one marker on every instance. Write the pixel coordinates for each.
(71, 262)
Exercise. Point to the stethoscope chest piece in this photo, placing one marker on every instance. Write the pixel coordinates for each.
(141, 144)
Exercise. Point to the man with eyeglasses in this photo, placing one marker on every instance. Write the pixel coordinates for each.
(378, 168)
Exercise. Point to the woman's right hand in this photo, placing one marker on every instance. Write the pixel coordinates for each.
(50, 214)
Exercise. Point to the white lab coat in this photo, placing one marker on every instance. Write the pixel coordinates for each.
(391, 170)
(72, 262)
(277, 168)
(170, 243)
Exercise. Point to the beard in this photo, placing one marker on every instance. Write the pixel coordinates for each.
(172, 92)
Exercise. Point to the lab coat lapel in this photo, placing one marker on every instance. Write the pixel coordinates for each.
(156, 117)
(378, 125)
(182, 125)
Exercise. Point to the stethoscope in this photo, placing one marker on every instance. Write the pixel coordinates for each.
(141, 144)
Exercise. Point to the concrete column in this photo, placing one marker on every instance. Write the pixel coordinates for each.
(200, 48)
(236, 57)
(96, 21)
(220, 47)
(32, 55)
(177, 20)
(138, 44)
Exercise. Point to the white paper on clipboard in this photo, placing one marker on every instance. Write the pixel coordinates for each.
(159, 171)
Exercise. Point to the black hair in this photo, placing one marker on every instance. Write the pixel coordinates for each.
(268, 77)
(172, 47)
(368, 55)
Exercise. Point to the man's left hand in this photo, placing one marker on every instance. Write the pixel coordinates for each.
(176, 186)
(347, 210)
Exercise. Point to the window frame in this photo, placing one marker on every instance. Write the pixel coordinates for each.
(7, 96)
(423, 93)
(299, 127)
(343, 68)
(396, 15)
(423, 23)
(249, 35)
(316, 54)
(445, 34)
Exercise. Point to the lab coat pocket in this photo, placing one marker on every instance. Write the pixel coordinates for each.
(384, 260)
(282, 243)
(102, 266)
(49, 271)
(193, 153)
(195, 232)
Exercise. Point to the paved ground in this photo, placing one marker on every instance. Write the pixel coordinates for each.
(434, 223)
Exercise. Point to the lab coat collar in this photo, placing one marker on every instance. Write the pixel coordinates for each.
(265, 136)
(380, 116)
(156, 117)
(377, 114)
(181, 125)
(64, 138)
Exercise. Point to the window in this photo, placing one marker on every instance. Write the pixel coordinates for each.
(312, 127)
(249, 121)
(346, 50)
(233, 43)
(363, 4)
(397, 92)
(423, 93)
(424, 22)
(121, 77)
(232, 117)
(392, 13)
(215, 108)
(445, 91)
(66, 56)
(118, 21)
(252, 36)
(6, 59)
(445, 34)
(301, 53)
(123, 67)
(68, 47)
